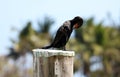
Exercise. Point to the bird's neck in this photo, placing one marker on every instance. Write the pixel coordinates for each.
(72, 24)
(69, 24)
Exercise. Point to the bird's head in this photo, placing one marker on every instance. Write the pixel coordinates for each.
(77, 22)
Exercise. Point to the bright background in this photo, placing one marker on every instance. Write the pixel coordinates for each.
(15, 13)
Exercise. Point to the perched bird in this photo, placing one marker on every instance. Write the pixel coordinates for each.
(64, 32)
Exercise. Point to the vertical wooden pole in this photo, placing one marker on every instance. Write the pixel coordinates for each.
(52, 63)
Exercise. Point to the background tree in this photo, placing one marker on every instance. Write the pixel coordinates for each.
(93, 43)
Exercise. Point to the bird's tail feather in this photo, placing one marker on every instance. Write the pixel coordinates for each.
(46, 47)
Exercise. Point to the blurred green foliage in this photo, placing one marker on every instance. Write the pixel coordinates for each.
(90, 40)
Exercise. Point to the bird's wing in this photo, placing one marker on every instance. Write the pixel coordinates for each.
(61, 33)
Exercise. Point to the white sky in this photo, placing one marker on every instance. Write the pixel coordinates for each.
(18, 12)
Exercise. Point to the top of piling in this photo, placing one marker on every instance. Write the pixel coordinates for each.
(48, 53)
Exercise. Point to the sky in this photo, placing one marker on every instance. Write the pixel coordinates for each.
(16, 13)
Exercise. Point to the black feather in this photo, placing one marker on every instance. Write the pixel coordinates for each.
(63, 33)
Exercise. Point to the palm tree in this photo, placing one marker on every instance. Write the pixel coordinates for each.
(30, 38)
(103, 42)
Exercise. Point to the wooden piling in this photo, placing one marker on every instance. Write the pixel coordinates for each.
(52, 63)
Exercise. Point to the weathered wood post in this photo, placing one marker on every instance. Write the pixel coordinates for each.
(52, 63)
